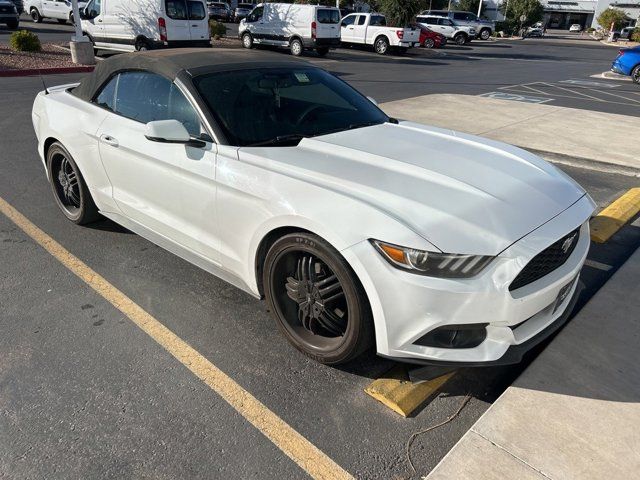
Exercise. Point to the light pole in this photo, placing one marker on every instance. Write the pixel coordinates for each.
(479, 8)
(81, 47)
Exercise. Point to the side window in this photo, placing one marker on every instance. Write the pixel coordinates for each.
(196, 10)
(445, 21)
(362, 20)
(107, 96)
(176, 9)
(377, 21)
(430, 21)
(459, 16)
(348, 20)
(180, 109)
(256, 14)
(93, 8)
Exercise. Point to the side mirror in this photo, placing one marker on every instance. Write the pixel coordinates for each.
(83, 14)
(170, 131)
(372, 100)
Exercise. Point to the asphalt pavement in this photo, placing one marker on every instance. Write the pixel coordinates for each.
(83, 393)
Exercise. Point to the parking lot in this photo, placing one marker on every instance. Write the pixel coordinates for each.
(86, 392)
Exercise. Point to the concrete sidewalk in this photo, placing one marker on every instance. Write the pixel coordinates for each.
(549, 130)
(575, 412)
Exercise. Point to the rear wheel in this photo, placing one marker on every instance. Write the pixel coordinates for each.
(322, 51)
(635, 74)
(69, 188)
(381, 45)
(35, 15)
(247, 40)
(317, 300)
(141, 45)
(429, 43)
(296, 47)
(485, 33)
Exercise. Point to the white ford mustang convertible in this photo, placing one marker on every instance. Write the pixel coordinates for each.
(439, 247)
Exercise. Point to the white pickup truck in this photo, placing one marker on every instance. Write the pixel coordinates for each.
(371, 29)
(60, 10)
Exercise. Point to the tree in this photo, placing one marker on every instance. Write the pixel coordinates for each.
(470, 6)
(514, 10)
(612, 15)
(400, 12)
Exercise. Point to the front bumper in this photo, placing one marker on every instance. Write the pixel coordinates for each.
(407, 306)
(9, 17)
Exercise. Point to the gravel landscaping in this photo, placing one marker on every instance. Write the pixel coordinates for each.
(51, 56)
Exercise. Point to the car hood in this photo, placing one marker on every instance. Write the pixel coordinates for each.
(464, 194)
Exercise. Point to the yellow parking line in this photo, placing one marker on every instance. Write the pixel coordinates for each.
(611, 219)
(295, 446)
(402, 396)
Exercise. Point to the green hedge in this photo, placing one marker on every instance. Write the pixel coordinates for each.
(218, 29)
(24, 41)
(635, 35)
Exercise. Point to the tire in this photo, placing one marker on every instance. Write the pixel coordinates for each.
(322, 51)
(35, 15)
(69, 188)
(141, 45)
(429, 43)
(635, 74)
(338, 326)
(485, 34)
(296, 47)
(247, 40)
(13, 25)
(381, 45)
(460, 39)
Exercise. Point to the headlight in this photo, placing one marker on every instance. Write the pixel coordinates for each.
(433, 264)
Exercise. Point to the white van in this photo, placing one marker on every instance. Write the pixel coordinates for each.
(294, 26)
(126, 25)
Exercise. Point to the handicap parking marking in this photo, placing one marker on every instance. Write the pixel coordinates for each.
(589, 83)
(515, 97)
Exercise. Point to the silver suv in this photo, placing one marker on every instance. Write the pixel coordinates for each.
(484, 28)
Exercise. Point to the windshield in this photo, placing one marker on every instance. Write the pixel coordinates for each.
(267, 105)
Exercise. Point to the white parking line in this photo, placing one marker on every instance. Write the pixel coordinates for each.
(588, 83)
(514, 97)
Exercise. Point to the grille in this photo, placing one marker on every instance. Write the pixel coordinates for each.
(547, 261)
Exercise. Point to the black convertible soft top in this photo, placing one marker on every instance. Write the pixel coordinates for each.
(171, 63)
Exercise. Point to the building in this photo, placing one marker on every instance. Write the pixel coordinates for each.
(564, 13)
(630, 7)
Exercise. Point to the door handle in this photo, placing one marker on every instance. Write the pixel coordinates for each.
(109, 140)
(99, 20)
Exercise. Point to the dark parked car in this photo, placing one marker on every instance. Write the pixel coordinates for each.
(242, 10)
(9, 14)
(19, 5)
(219, 11)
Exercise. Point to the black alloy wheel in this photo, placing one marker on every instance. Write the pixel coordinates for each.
(318, 302)
(69, 188)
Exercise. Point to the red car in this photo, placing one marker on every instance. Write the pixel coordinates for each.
(429, 38)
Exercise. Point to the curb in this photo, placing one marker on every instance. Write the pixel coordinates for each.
(586, 163)
(45, 71)
(615, 216)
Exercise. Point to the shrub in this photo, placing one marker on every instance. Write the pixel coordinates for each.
(24, 41)
(635, 35)
(218, 29)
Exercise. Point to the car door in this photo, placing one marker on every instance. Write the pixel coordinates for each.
(93, 25)
(360, 29)
(198, 20)
(445, 27)
(255, 22)
(167, 188)
(347, 27)
(178, 28)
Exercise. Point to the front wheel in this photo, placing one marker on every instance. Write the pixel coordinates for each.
(69, 188)
(35, 15)
(141, 45)
(247, 40)
(460, 39)
(635, 74)
(381, 46)
(318, 302)
(296, 47)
